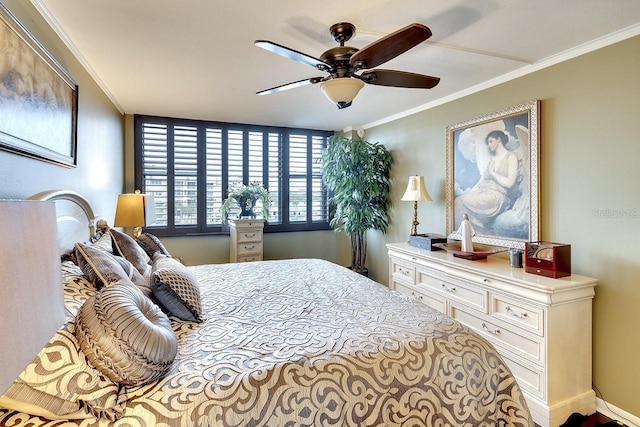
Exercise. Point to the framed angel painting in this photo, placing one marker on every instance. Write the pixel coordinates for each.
(492, 176)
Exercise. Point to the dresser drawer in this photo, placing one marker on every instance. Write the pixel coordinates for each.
(254, 235)
(427, 298)
(402, 270)
(523, 315)
(529, 379)
(530, 348)
(249, 248)
(455, 290)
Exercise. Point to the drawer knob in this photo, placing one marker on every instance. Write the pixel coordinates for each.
(249, 247)
(448, 289)
(495, 331)
(485, 280)
(420, 297)
(248, 236)
(520, 315)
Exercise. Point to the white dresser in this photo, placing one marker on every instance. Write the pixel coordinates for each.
(245, 240)
(540, 326)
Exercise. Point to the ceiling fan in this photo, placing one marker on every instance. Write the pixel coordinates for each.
(345, 64)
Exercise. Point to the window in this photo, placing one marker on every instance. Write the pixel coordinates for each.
(188, 165)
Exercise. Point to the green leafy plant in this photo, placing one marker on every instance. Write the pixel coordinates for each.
(246, 197)
(356, 173)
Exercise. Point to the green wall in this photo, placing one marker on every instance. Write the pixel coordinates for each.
(589, 197)
(98, 175)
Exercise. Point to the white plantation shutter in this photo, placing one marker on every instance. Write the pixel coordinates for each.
(154, 167)
(213, 165)
(274, 176)
(188, 166)
(319, 206)
(298, 178)
(185, 173)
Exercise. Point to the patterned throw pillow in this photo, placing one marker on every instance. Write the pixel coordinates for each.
(176, 288)
(125, 246)
(151, 244)
(125, 335)
(103, 268)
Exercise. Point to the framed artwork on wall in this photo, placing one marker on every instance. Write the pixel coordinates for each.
(492, 176)
(38, 98)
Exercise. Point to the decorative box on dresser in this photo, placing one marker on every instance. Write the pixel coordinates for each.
(540, 326)
(245, 240)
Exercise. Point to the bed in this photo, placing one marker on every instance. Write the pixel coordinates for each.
(299, 342)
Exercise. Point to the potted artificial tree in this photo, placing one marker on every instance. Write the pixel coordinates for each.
(356, 173)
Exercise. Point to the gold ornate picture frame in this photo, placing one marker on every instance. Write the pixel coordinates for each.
(38, 98)
(492, 167)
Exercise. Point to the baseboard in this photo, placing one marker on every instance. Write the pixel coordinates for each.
(616, 413)
(557, 414)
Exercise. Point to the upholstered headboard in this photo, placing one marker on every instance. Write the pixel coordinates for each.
(76, 221)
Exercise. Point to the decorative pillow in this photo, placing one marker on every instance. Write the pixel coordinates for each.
(176, 288)
(125, 246)
(103, 268)
(125, 335)
(77, 288)
(102, 240)
(151, 244)
(60, 384)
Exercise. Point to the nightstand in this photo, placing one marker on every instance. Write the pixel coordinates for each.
(245, 243)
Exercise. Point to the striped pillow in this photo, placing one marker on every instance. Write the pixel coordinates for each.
(151, 244)
(125, 246)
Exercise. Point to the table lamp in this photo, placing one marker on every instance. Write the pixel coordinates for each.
(416, 192)
(135, 210)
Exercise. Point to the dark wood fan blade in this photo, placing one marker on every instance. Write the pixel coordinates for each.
(299, 83)
(293, 54)
(390, 46)
(399, 79)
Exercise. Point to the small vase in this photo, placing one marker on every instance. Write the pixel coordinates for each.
(246, 209)
(247, 213)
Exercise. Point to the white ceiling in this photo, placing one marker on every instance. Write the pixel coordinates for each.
(196, 58)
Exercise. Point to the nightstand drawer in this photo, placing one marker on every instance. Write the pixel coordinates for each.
(249, 248)
(250, 258)
(527, 347)
(254, 235)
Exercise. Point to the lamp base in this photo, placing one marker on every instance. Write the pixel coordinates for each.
(426, 241)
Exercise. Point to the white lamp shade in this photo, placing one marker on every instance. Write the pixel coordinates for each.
(416, 190)
(135, 210)
(31, 293)
(342, 90)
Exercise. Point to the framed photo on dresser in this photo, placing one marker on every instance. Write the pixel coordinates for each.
(492, 176)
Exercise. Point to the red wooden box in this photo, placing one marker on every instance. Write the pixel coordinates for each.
(548, 259)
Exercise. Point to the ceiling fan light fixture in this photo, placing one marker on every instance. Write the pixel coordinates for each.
(341, 91)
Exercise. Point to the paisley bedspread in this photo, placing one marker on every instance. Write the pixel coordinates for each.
(309, 343)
